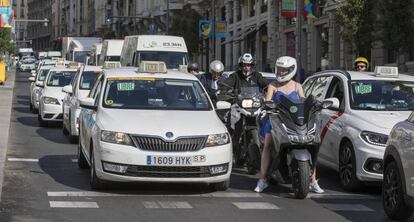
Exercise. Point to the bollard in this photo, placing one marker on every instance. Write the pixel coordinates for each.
(2, 73)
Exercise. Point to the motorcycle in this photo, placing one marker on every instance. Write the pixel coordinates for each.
(242, 120)
(295, 133)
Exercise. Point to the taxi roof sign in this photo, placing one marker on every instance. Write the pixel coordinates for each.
(152, 67)
(111, 65)
(386, 71)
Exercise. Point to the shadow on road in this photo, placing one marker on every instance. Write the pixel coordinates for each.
(23, 97)
(22, 109)
(49, 133)
(24, 102)
(28, 121)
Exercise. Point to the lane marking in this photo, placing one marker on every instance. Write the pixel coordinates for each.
(72, 204)
(150, 204)
(74, 160)
(101, 194)
(347, 207)
(255, 206)
(22, 160)
(174, 204)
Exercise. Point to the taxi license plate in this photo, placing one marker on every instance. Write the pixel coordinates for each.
(169, 160)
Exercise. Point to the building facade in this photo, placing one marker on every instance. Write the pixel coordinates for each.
(40, 33)
(20, 8)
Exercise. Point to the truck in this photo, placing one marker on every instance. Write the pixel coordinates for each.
(95, 54)
(111, 51)
(25, 52)
(170, 49)
(77, 49)
(54, 54)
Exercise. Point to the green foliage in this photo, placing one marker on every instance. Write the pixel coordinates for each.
(397, 24)
(357, 19)
(186, 25)
(5, 42)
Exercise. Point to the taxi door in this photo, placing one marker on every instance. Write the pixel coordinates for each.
(406, 152)
(332, 123)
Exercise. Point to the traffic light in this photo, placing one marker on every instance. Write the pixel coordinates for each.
(108, 20)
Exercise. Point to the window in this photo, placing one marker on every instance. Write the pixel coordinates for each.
(252, 7)
(263, 6)
(318, 89)
(307, 86)
(60, 78)
(411, 118)
(336, 90)
(88, 79)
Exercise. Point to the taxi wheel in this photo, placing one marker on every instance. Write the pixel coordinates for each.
(222, 186)
(392, 194)
(347, 168)
(95, 182)
(82, 163)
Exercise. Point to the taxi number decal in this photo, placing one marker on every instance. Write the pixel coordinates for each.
(109, 102)
(126, 86)
(363, 89)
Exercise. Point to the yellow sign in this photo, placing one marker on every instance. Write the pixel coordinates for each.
(4, 3)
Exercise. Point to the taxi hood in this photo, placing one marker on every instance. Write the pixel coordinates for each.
(55, 92)
(381, 119)
(159, 122)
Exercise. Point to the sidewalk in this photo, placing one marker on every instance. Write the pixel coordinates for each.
(6, 99)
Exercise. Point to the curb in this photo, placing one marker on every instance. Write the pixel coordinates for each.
(6, 100)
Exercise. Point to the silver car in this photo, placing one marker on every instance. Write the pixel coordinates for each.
(398, 183)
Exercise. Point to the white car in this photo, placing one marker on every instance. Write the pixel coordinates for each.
(51, 95)
(355, 129)
(37, 78)
(397, 187)
(79, 88)
(153, 125)
(27, 65)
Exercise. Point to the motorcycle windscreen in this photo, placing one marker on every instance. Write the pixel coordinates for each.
(298, 109)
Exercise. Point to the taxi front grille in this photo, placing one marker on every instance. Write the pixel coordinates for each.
(179, 145)
(168, 171)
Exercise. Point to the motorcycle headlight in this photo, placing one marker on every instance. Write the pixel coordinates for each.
(115, 137)
(50, 100)
(298, 138)
(218, 139)
(247, 103)
(377, 139)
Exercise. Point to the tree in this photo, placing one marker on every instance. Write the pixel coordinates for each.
(397, 27)
(186, 24)
(6, 47)
(357, 19)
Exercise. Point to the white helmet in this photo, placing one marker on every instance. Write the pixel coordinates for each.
(247, 58)
(216, 66)
(289, 64)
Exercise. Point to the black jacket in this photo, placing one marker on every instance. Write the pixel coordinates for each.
(237, 80)
(206, 80)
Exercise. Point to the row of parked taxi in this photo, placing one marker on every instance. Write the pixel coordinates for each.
(154, 124)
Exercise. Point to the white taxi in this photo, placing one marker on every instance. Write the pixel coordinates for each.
(152, 125)
(355, 129)
(79, 88)
(51, 95)
(34, 89)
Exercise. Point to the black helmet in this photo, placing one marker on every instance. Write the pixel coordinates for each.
(192, 66)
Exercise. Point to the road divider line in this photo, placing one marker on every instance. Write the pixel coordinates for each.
(74, 160)
(255, 206)
(22, 160)
(72, 204)
(150, 204)
(101, 194)
(174, 204)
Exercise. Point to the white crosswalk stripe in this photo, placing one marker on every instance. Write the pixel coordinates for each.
(22, 160)
(72, 204)
(255, 206)
(167, 204)
(347, 207)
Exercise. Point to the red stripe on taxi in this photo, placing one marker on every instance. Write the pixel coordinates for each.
(328, 124)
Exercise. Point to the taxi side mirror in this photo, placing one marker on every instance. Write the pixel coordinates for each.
(32, 79)
(88, 103)
(222, 105)
(40, 84)
(330, 103)
(67, 89)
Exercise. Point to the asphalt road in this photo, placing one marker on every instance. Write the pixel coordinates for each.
(43, 183)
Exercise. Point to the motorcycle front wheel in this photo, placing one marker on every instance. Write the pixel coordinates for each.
(300, 178)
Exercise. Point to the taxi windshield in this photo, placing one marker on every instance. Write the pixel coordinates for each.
(42, 74)
(155, 94)
(60, 78)
(87, 79)
(382, 95)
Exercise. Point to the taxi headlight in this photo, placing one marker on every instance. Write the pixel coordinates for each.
(50, 100)
(115, 137)
(374, 138)
(218, 139)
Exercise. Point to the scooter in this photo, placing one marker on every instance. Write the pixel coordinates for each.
(295, 133)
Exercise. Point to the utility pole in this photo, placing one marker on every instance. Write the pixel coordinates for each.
(168, 16)
(299, 15)
(213, 3)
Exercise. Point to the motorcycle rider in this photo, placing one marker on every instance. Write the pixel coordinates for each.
(193, 68)
(210, 79)
(245, 76)
(361, 64)
(285, 85)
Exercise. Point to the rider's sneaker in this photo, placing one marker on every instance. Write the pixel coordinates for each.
(314, 187)
(261, 185)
